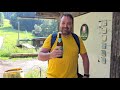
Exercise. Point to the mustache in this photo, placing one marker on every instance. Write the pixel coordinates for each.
(65, 28)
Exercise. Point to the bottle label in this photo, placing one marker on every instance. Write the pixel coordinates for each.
(59, 40)
(61, 48)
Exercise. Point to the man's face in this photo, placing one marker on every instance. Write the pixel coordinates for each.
(66, 25)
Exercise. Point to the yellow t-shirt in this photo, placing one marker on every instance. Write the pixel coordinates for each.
(65, 67)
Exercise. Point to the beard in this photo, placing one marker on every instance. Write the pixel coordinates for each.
(66, 31)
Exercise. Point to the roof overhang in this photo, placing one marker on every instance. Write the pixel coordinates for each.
(51, 15)
(56, 15)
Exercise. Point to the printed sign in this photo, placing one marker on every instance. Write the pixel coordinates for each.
(84, 32)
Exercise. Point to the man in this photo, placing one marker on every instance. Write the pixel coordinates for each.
(65, 67)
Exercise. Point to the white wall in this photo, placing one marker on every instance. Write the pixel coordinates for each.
(95, 41)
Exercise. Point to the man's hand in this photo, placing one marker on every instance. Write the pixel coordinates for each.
(85, 64)
(56, 52)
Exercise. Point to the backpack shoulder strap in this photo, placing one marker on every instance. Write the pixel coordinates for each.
(53, 38)
(77, 40)
(78, 44)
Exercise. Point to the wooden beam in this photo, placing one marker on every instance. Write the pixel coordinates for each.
(16, 55)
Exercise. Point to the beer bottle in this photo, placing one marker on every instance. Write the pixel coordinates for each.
(60, 43)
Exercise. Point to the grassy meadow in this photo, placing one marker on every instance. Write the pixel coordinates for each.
(10, 37)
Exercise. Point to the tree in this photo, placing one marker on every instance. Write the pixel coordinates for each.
(37, 30)
(115, 47)
(14, 21)
(48, 27)
(1, 19)
(25, 24)
(8, 14)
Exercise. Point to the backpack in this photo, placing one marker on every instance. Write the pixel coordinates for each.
(76, 38)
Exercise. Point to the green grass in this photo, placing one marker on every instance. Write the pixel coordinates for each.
(10, 41)
(35, 72)
(7, 23)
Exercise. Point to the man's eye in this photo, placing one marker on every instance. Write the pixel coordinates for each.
(63, 23)
(69, 23)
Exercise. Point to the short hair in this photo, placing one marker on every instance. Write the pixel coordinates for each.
(68, 15)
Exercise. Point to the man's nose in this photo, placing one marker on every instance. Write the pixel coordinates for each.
(65, 25)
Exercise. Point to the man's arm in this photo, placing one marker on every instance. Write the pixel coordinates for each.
(45, 55)
(85, 63)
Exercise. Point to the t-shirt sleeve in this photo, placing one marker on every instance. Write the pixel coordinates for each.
(47, 42)
(82, 47)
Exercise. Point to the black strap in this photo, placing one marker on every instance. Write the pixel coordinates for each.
(53, 38)
(78, 44)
